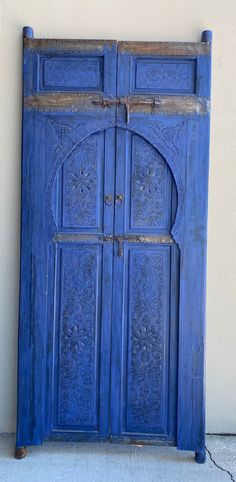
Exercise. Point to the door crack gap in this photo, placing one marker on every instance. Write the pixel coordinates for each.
(219, 466)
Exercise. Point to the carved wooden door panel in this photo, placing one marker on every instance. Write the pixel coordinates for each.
(81, 283)
(113, 244)
(144, 364)
(69, 162)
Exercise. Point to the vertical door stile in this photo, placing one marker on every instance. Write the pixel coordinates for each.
(107, 286)
(116, 352)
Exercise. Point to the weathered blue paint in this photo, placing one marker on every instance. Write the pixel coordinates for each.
(70, 73)
(163, 76)
(113, 243)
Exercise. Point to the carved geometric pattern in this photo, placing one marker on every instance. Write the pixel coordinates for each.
(169, 135)
(149, 181)
(62, 132)
(146, 318)
(75, 73)
(82, 180)
(77, 351)
(165, 76)
(80, 173)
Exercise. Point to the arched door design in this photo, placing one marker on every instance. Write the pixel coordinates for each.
(113, 246)
(114, 259)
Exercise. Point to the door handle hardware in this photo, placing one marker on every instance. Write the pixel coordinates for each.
(119, 199)
(128, 102)
(106, 101)
(160, 239)
(156, 103)
(119, 240)
(108, 199)
(132, 238)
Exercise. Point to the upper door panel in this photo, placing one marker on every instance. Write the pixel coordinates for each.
(148, 189)
(70, 66)
(170, 68)
(149, 194)
(80, 187)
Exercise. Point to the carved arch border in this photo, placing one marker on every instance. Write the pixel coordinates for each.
(77, 137)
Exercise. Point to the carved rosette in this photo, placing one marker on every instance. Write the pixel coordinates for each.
(80, 185)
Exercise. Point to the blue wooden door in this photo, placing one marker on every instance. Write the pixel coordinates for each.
(113, 230)
(144, 328)
(68, 217)
(112, 208)
(81, 255)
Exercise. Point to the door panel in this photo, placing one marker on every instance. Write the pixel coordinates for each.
(148, 189)
(80, 288)
(77, 336)
(144, 323)
(71, 72)
(69, 66)
(80, 187)
(82, 183)
(144, 342)
(145, 180)
(146, 338)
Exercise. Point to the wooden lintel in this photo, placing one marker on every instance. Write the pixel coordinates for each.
(165, 48)
(139, 48)
(67, 44)
(168, 105)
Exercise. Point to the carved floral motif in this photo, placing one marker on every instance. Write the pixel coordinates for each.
(80, 186)
(82, 180)
(146, 339)
(77, 383)
(149, 179)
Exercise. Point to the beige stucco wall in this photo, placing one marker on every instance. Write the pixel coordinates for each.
(139, 20)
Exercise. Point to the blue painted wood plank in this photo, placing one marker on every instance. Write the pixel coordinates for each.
(191, 406)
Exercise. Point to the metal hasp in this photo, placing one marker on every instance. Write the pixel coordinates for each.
(115, 156)
(128, 103)
(110, 238)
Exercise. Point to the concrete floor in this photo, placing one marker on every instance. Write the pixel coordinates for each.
(57, 461)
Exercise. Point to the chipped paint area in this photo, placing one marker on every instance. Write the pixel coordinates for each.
(165, 48)
(67, 44)
(157, 48)
(135, 104)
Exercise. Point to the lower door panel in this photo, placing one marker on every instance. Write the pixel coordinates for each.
(81, 340)
(127, 391)
(147, 346)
